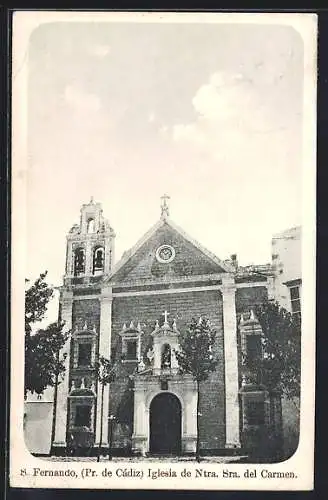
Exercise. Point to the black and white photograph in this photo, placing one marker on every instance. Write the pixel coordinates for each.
(163, 188)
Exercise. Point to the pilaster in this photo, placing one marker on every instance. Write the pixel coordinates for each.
(63, 388)
(69, 256)
(105, 333)
(139, 438)
(109, 248)
(230, 362)
(189, 434)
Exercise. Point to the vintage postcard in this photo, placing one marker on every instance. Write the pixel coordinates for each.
(163, 250)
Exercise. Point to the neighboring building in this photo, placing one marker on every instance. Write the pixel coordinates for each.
(38, 417)
(287, 267)
(287, 290)
(133, 311)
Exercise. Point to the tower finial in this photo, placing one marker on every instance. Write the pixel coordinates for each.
(91, 200)
(164, 206)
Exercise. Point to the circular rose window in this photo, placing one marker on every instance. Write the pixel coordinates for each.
(165, 254)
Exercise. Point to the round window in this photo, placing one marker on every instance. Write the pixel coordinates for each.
(165, 254)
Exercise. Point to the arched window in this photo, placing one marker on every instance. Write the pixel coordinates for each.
(166, 356)
(98, 260)
(90, 226)
(79, 262)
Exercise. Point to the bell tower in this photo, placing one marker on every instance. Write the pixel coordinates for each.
(87, 316)
(90, 247)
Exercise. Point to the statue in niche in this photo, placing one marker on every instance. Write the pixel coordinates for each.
(141, 366)
(166, 356)
(150, 355)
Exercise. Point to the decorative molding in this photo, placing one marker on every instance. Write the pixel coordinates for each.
(84, 237)
(90, 335)
(169, 280)
(293, 282)
(151, 282)
(86, 297)
(253, 284)
(168, 291)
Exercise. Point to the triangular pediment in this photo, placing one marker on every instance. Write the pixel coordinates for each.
(184, 257)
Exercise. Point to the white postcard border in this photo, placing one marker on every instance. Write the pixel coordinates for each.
(302, 462)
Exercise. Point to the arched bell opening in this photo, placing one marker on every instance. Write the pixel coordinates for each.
(98, 260)
(79, 261)
(91, 226)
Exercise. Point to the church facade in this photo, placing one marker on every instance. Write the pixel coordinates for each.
(132, 312)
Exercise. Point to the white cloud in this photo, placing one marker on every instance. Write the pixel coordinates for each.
(80, 100)
(238, 133)
(151, 117)
(233, 121)
(221, 97)
(227, 102)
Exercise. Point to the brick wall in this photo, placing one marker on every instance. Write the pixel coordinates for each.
(86, 310)
(188, 259)
(247, 298)
(182, 307)
(121, 404)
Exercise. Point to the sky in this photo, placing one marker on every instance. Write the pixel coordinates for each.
(210, 114)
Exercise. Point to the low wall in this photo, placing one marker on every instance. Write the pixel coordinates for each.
(37, 426)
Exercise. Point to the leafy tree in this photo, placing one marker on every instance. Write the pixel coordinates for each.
(196, 358)
(37, 298)
(105, 373)
(279, 369)
(43, 364)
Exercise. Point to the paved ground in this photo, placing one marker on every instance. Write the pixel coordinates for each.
(220, 460)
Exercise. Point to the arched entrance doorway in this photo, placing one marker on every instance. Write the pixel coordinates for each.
(165, 424)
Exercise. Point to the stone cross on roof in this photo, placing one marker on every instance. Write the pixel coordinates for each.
(164, 205)
(165, 314)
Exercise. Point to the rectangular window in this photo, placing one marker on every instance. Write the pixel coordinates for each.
(294, 292)
(84, 356)
(296, 306)
(82, 416)
(295, 299)
(254, 347)
(131, 350)
(255, 413)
